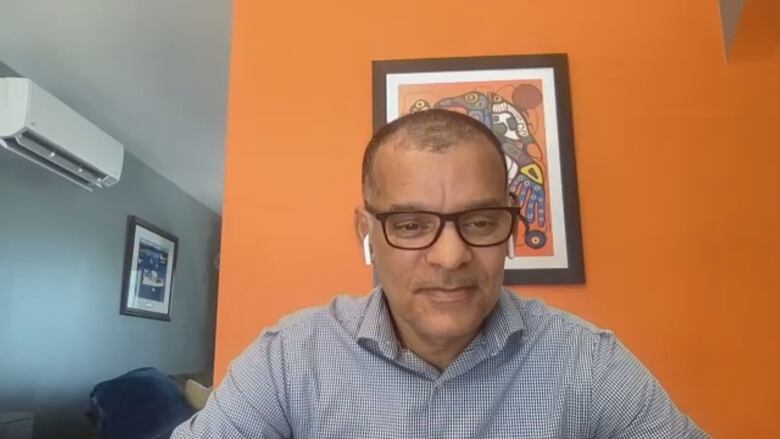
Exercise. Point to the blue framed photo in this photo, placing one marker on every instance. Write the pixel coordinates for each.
(150, 263)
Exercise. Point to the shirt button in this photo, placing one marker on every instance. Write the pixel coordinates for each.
(432, 394)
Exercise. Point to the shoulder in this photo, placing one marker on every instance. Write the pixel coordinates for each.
(547, 322)
(342, 314)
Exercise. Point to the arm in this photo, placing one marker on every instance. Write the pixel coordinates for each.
(251, 401)
(628, 402)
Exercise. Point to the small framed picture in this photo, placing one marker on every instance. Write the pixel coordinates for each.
(525, 101)
(150, 263)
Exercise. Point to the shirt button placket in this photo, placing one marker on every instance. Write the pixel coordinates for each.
(433, 422)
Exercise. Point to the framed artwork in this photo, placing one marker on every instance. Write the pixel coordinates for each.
(525, 100)
(150, 262)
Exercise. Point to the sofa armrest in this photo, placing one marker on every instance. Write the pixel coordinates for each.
(196, 393)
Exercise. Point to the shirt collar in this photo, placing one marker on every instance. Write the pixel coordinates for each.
(502, 323)
(376, 330)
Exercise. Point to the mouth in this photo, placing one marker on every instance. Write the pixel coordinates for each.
(449, 295)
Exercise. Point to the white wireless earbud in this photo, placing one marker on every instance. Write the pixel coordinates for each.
(366, 251)
(510, 247)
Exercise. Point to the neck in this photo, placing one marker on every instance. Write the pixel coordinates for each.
(440, 355)
(438, 352)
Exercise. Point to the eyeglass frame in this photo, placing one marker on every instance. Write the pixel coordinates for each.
(444, 218)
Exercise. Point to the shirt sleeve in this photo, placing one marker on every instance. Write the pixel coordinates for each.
(251, 401)
(628, 402)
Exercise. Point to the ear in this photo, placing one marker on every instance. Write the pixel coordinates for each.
(511, 243)
(361, 224)
(362, 235)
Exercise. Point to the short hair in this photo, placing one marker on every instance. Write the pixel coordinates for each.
(432, 130)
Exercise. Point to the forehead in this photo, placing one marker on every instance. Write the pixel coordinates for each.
(463, 175)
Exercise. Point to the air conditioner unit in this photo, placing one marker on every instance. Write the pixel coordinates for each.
(41, 128)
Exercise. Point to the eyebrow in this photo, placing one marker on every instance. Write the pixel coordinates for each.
(479, 204)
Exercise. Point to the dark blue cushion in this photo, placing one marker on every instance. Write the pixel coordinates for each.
(141, 404)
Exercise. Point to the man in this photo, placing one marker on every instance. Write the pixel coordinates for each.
(439, 350)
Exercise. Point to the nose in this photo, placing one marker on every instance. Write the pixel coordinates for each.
(449, 252)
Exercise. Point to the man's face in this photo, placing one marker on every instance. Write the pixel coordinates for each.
(443, 292)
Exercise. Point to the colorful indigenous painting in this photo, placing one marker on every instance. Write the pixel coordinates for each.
(525, 101)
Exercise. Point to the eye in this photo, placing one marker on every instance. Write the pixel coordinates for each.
(480, 223)
(471, 97)
(409, 227)
(486, 223)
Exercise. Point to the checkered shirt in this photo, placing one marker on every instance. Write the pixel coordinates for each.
(532, 372)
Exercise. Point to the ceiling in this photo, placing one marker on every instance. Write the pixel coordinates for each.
(152, 74)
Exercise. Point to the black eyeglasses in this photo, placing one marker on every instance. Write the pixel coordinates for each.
(418, 230)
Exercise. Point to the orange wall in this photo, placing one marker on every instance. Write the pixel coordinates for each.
(677, 155)
(757, 31)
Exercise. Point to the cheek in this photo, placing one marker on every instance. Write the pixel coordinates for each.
(396, 267)
(491, 260)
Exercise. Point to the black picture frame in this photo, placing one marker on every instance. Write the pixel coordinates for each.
(390, 76)
(148, 251)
